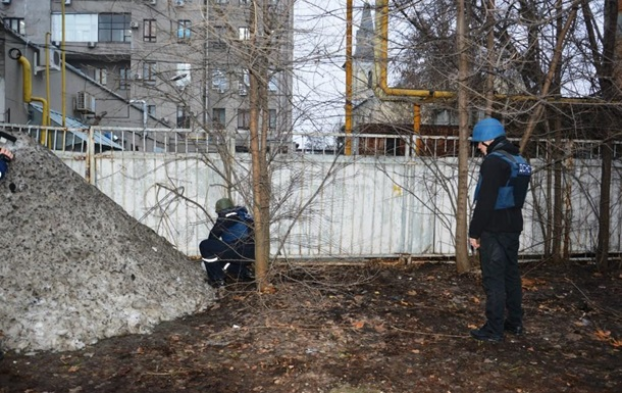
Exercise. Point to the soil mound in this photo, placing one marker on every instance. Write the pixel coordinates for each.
(75, 267)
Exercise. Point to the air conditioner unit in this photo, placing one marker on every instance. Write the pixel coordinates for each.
(152, 2)
(67, 2)
(180, 3)
(92, 44)
(85, 102)
(243, 91)
(138, 77)
(134, 25)
(55, 59)
(6, 2)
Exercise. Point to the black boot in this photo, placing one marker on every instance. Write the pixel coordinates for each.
(485, 334)
(247, 275)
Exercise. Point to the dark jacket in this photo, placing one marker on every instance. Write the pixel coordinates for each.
(234, 226)
(4, 167)
(495, 173)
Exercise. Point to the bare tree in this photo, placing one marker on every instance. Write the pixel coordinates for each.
(527, 57)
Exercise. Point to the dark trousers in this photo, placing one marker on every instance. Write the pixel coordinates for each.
(220, 258)
(501, 280)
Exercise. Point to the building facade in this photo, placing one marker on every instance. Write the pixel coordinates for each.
(184, 63)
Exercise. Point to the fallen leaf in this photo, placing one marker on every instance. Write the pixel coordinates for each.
(602, 335)
(358, 324)
(73, 369)
(616, 343)
(380, 328)
(269, 289)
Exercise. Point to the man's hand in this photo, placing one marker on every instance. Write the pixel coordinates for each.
(474, 243)
(4, 152)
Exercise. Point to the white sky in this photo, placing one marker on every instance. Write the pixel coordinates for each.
(319, 53)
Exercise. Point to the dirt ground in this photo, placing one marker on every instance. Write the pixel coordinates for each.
(359, 329)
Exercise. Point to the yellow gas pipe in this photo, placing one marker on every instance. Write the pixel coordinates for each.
(27, 87)
(348, 125)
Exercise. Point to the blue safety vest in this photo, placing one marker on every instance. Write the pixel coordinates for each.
(514, 192)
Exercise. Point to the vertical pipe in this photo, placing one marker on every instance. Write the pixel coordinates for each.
(62, 54)
(417, 128)
(617, 70)
(348, 125)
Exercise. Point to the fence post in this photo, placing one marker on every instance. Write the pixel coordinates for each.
(90, 156)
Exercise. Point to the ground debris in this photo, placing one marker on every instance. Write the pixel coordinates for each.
(357, 330)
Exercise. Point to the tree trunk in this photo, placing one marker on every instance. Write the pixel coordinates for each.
(602, 252)
(462, 258)
(258, 134)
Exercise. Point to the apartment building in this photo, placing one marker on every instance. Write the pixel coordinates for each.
(183, 62)
(230, 59)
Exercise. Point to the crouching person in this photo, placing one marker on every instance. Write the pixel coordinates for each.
(230, 248)
(5, 158)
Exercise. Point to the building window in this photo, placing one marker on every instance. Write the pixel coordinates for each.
(18, 25)
(183, 29)
(273, 85)
(183, 75)
(115, 28)
(222, 1)
(101, 76)
(78, 27)
(149, 71)
(272, 119)
(244, 83)
(124, 78)
(244, 33)
(244, 119)
(151, 110)
(183, 117)
(219, 39)
(245, 2)
(149, 30)
(220, 81)
(218, 117)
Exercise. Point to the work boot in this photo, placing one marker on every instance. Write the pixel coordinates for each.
(218, 284)
(512, 329)
(483, 334)
(247, 275)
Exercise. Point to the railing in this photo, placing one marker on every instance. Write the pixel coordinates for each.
(159, 140)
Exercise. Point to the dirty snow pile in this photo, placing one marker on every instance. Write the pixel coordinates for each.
(75, 268)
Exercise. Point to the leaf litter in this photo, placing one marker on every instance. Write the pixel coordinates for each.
(358, 329)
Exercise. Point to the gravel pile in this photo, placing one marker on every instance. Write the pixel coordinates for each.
(75, 267)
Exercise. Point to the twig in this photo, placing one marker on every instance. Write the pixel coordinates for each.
(429, 334)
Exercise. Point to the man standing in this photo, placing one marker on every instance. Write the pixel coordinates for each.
(5, 158)
(495, 228)
(230, 247)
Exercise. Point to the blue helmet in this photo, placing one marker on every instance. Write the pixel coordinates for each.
(487, 129)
